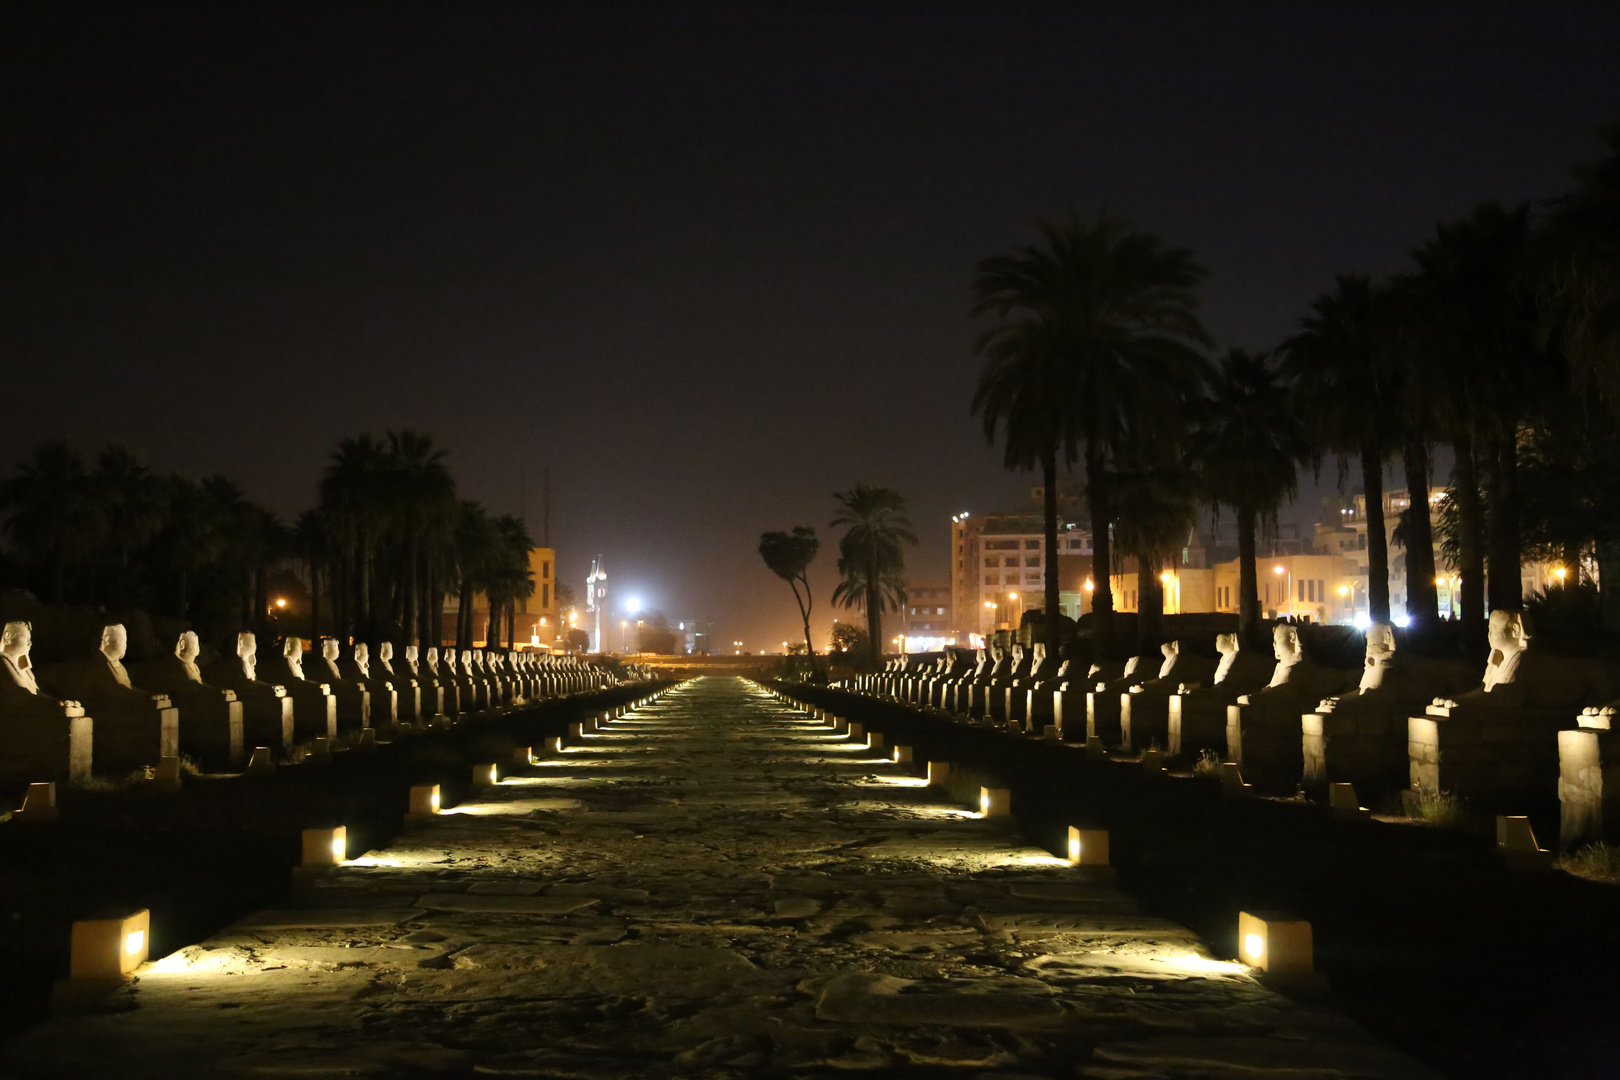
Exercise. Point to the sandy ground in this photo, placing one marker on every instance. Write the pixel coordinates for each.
(716, 886)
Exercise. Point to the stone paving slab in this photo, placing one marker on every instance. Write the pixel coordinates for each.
(712, 887)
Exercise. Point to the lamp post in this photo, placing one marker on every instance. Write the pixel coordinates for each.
(1290, 573)
(1014, 596)
(624, 635)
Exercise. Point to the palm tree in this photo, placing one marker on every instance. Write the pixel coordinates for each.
(353, 496)
(789, 556)
(131, 499)
(1476, 327)
(506, 577)
(1246, 442)
(872, 555)
(54, 516)
(1580, 268)
(312, 542)
(195, 535)
(421, 509)
(476, 552)
(1104, 316)
(1157, 509)
(1344, 393)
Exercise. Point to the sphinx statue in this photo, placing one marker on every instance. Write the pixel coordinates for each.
(267, 711)
(357, 668)
(407, 690)
(314, 707)
(211, 717)
(42, 737)
(473, 680)
(353, 698)
(1360, 737)
(134, 728)
(1264, 730)
(1102, 700)
(1524, 698)
(438, 691)
(1144, 709)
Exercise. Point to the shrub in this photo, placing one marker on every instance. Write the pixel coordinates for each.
(1599, 862)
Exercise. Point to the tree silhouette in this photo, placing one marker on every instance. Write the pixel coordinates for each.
(872, 555)
(789, 556)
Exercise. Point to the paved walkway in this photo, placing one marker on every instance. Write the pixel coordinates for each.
(716, 888)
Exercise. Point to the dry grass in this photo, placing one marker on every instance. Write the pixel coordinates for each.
(1208, 764)
(1440, 808)
(1597, 862)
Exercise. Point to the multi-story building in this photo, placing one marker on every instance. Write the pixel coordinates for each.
(536, 623)
(927, 624)
(998, 568)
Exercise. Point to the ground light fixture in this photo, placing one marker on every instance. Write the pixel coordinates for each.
(261, 761)
(326, 847)
(425, 802)
(1516, 844)
(1343, 804)
(484, 774)
(1088, 847)
(39, 804)
(112, 946)
(995, 802)
(902, 754)
(938, 773)
(1275, 942)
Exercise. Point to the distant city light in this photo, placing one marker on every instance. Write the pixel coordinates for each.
(632, 604)
(1403, 620)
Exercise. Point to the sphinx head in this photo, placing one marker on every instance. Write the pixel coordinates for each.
(187, 648)
(1380, 642)
(1285, 644)
(385, 651)
(1506, 632)
(329, 648)
(17, 639)
(410, 654)
(114, 641)
(247, 646)
(293, 648)
(1226, 644)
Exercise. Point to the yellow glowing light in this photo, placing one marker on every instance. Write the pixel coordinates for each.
(1276, 569)
(1253, 945)
(1344, 590)
(494, 775)
(1559, 573)
(434, 800)
(1012, 596)
(281, 601)
(1074, 849)
(340, 847)
(984, 804)
(1089, 585)
(134, 941)
(1439, 581)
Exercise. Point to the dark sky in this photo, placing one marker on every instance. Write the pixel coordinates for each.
(708, 265)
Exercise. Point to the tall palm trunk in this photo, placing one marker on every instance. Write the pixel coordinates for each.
(874, 613)
(1102, 596)
(408, 593)
(1372, 483)
(314, 599)
(1422, 596)
(1505, 588)
(1248, 580)
(1149, 602)
(1470, 543)
(1051, 620)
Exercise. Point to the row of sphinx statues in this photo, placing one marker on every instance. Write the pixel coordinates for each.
(1497, 734)
(97, 714)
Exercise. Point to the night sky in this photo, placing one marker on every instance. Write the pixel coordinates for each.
(708, 266)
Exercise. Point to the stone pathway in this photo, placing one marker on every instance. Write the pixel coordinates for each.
(716, 887)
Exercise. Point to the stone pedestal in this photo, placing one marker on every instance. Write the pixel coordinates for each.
(1366, 748)
(1495, 757)
(1588, 787)
(1264, 738)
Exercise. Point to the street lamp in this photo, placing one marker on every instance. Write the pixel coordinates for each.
(624, 635)
(1290, 573)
